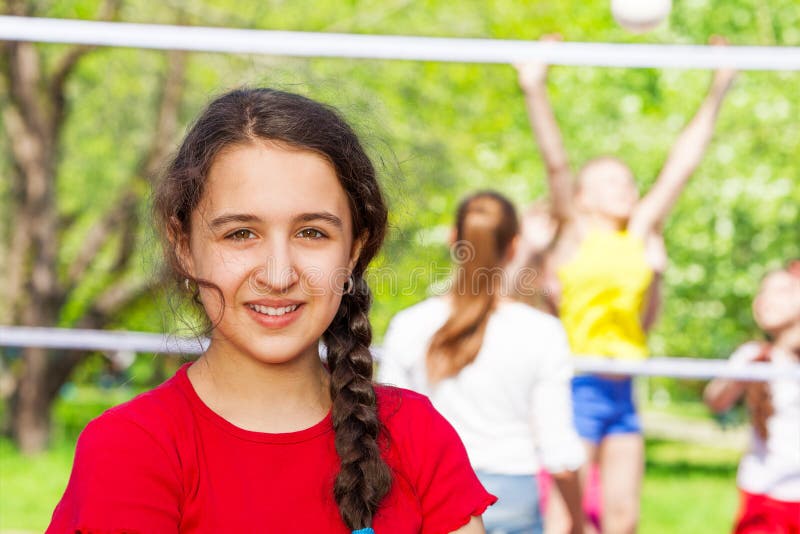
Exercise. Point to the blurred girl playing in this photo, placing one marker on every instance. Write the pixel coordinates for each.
(271, 212)
(769, 473)
(604, 271)
(498, 370)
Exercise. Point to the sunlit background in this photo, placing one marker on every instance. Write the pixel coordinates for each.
(437, 131)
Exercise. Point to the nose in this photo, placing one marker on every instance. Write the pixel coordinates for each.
(276, 273)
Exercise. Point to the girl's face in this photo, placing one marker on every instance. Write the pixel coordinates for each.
(608, 188)
(777, 304)
(274, 232)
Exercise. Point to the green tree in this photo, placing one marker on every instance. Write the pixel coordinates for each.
(39, 284)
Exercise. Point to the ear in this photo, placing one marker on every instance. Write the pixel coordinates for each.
(355, 250)
(180, 242)
(453, 236)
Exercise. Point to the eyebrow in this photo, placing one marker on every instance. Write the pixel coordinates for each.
(322, 215)
(223, 220)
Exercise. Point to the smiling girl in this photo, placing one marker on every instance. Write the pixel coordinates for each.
(271, 212)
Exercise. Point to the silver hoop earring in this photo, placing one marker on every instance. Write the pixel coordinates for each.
(186, 284)
(349, 286)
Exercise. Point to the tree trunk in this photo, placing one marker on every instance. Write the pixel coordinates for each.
(30, 407)
(34, 293)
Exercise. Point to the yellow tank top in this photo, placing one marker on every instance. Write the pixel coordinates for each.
(603, 290)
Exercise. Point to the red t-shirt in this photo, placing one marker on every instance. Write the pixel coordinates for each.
(164, 462)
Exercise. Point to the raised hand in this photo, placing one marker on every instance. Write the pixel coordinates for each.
(533, 74)
(723, 78)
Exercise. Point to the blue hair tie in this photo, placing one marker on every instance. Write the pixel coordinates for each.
(364, 531)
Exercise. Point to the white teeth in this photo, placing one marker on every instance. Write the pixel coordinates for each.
(268, 310)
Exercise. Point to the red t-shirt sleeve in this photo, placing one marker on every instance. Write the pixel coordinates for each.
(449, 492)
(122, 481)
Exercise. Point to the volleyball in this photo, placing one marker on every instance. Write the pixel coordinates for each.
(639, 16)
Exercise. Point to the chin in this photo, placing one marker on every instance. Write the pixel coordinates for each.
(772, 325)
(621, 217)
(279, 352)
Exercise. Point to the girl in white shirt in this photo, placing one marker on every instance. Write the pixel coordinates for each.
(769, 473)
(498, 370)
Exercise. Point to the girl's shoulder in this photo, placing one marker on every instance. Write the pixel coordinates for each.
(126, 469)
(152, 418)
(397, 406)
(430, 309)
(429, 458)
(517, 321)
(521, 311)
(411, 423)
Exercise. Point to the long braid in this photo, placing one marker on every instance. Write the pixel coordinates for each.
(364, 478)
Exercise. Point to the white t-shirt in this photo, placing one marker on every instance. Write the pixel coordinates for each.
(772, 468)
(511, 406)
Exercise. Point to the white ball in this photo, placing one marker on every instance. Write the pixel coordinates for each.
(640, 15)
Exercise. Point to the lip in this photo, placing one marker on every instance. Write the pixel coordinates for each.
(275, 303)
(275, 321)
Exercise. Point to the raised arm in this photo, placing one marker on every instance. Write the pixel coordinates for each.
(684, 158)
(533, 81)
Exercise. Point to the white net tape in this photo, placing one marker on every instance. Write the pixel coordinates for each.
(109, 341)
(309, 44)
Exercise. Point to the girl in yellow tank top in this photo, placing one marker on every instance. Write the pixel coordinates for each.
(603, 293)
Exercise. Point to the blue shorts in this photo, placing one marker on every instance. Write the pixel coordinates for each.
(517, 509)
(603, 406)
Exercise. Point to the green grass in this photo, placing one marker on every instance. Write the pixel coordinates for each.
(687, 488)
(31, 486)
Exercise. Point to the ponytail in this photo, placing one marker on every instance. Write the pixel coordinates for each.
(486, 223)
(364, 478)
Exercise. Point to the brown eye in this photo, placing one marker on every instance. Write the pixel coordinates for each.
(311, 233)
(241, 235)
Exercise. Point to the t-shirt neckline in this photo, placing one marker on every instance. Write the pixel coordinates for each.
(185, 385)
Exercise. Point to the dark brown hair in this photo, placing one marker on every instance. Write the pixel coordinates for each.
(245, 116)
(486, 223)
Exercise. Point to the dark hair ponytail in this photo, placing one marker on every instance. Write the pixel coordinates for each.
(364, 478)
(244, 116)
(486, 224)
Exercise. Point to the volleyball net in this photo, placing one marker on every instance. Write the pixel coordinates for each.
(140, 342)
(392, 47)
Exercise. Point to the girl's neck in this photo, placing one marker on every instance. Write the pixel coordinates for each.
(788, 339)
(259, 396)
(598, 221)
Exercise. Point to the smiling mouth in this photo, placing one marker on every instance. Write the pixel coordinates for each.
(273, 312)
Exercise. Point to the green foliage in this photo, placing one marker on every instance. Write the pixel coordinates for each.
(442, 130)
